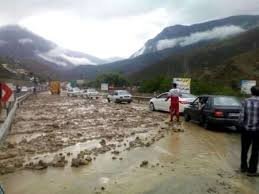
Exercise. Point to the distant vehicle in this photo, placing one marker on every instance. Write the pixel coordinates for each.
(214, 110)
(90, 93)
(160, 103)
(74, 92)
(24, 89)
(119, 96)
(55, 87)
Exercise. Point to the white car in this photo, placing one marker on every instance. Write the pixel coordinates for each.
(24, 89)
(160, 103)
(119, 96)
(90, 93)
(74, 92)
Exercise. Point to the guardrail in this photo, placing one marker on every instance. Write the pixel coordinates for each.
(5, 127)
(141, 98)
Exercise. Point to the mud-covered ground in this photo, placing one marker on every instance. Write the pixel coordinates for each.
(47, 124)
(73, 145)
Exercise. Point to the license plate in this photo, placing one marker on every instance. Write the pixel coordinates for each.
(234, 114)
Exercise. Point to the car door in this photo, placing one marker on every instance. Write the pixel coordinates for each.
(199, 107)
(194, 106)
(161, 103)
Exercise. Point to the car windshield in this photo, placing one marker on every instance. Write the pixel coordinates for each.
(226, 101)
(124, 92)
(187, 96)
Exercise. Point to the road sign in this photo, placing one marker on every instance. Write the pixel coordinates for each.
(246, 86)
(104, 87)
(184, 84)
(6, 92)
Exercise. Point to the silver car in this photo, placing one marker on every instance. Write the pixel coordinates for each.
(119, 96)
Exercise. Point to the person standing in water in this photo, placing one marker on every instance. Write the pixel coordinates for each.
(173, 95)
(249, 121)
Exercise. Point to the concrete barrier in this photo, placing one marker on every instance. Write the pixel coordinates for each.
(5, 127)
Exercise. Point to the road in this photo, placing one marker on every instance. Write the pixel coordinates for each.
(132, 149)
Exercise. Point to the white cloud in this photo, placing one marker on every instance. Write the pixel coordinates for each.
(60, 57)
(139, 52)
(101, 37)
(167, 43)
(25, 41)
(107, 28)
(77, 60)
(216, 33)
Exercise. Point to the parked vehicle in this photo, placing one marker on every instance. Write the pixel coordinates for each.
(209, 110)
(160, 103)
(74, 92)
(90, 93)
(55, 87)
(119, 96)
(24, 89)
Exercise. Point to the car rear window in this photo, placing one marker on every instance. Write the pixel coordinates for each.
(226, 101)
(124, 93)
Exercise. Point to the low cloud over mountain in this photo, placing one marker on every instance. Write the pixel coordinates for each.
(216, 33)
(21, 44)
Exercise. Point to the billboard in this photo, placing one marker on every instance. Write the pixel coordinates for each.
(184, 84)
(246, 86)
(104, 87)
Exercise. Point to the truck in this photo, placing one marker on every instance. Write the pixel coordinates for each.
(55, 87)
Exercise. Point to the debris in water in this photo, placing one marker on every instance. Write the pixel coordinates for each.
(144, 163)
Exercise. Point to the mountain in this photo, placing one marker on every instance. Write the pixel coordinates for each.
(229, 61)
(172, 41)
(19, 43)
(197, 50)
(177, 36)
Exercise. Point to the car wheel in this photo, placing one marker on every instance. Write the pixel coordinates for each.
(187, 117)
(152, 107)
(108, 100)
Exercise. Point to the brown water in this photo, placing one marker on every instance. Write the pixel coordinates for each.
(196, 161)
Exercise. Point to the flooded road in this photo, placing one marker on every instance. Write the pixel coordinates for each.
(132, 150)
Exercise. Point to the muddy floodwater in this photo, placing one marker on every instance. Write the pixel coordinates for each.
(64, 145)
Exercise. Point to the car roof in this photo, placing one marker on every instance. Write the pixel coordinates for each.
(213, 96)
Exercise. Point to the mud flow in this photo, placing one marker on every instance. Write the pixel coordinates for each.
(60, 144)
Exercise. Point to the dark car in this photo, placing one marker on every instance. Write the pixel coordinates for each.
(214, 110)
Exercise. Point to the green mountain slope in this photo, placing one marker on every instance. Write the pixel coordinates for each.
(227, 60)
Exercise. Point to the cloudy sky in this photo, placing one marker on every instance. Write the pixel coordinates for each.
(108, 28)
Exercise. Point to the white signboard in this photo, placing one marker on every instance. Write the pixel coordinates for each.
(184, 84)
(104, 87)
(246, 86)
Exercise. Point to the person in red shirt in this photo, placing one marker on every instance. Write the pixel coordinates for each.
(173, 95)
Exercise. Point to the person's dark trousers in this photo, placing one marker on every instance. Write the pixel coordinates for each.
(248, 139)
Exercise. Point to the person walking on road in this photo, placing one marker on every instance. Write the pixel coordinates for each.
(249, 122)
(173, 95)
